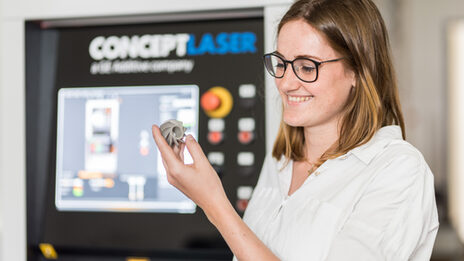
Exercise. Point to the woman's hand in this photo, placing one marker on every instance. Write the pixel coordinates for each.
(198, 181)
(201, 184)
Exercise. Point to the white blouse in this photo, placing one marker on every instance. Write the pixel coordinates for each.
(376, 202)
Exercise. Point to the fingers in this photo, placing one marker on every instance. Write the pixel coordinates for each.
(176, 149)
(166, 151)
(182, 148)
(195, 149)
(179, 151)
(164, 164)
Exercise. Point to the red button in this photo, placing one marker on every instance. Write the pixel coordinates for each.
(241, 204)
(210, 101)
(245, 137)
(215, 137)
(144, 151)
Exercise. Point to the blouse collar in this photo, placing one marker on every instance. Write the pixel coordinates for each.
(368, 151)
(379, 141)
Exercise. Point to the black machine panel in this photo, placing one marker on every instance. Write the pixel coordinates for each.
(102, 200)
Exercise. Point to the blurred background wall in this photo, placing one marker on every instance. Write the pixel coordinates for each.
(420, 38)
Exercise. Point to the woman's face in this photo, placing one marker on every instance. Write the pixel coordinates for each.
(319, 103)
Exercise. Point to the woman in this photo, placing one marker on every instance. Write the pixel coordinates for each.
(341, 183)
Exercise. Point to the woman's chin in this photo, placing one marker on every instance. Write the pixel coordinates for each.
(293, 122)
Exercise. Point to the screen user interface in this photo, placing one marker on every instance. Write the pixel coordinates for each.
(106, 157)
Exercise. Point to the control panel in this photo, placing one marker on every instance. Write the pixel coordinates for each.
(104, 88)
(234, 147)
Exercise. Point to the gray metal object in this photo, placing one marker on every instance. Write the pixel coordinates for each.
(173, 131)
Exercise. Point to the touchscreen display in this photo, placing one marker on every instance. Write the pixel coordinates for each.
(106, 158)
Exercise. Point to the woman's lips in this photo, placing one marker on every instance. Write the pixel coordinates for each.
(298, 99)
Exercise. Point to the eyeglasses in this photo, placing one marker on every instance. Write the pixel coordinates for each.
(305, 69)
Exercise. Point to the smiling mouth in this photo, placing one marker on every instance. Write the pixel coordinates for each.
(299, 99)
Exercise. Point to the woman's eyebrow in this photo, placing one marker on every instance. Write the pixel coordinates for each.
(300, 56)
(279, 54)
(309, 56)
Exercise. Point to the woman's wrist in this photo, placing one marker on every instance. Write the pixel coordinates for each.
(242, 241)
(219, 210)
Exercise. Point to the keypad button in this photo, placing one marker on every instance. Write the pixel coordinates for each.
(241, 205)
(216, 158)
(246, 124)
(215, 137)
(245, 137)
(216, 125)
(244, 192)
(247, 91)
(245, 159)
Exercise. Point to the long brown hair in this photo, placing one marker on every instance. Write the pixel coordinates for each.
(356, 31)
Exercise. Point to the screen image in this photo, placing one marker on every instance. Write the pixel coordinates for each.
(106, 158)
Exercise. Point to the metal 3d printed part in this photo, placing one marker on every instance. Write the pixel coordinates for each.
(173, 131)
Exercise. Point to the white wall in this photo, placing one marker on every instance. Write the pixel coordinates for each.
(456, 124)
(424, 76)
(47, 9)
(422, 71)
(12, 144)
(1, 143)
(424, 68)
(418, 35)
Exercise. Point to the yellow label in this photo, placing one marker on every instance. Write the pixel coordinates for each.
(137, 259)
(48, 251)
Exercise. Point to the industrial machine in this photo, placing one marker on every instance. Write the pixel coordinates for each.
(96, 187)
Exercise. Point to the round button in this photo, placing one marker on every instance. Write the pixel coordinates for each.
(245, 137)
(220, 107)
(241, 205)
(210, 101)
(215, 137)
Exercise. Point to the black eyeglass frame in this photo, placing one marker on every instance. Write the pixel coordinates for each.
(317, 63)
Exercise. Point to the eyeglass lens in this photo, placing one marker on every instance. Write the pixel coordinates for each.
(305, 69)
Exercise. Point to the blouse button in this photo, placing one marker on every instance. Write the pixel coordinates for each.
(317, 173)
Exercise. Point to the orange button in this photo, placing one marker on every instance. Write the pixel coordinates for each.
(210, 101)
(241, 204)
(245, 137)
(215, 137)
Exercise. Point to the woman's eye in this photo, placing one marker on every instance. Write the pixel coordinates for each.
(307, 69)
(279, 65)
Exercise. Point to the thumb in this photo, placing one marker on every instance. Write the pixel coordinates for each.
(195, 149)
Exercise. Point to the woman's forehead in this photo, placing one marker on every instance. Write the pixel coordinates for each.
(297, 38)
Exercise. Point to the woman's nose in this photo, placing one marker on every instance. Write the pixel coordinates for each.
(289, 81)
